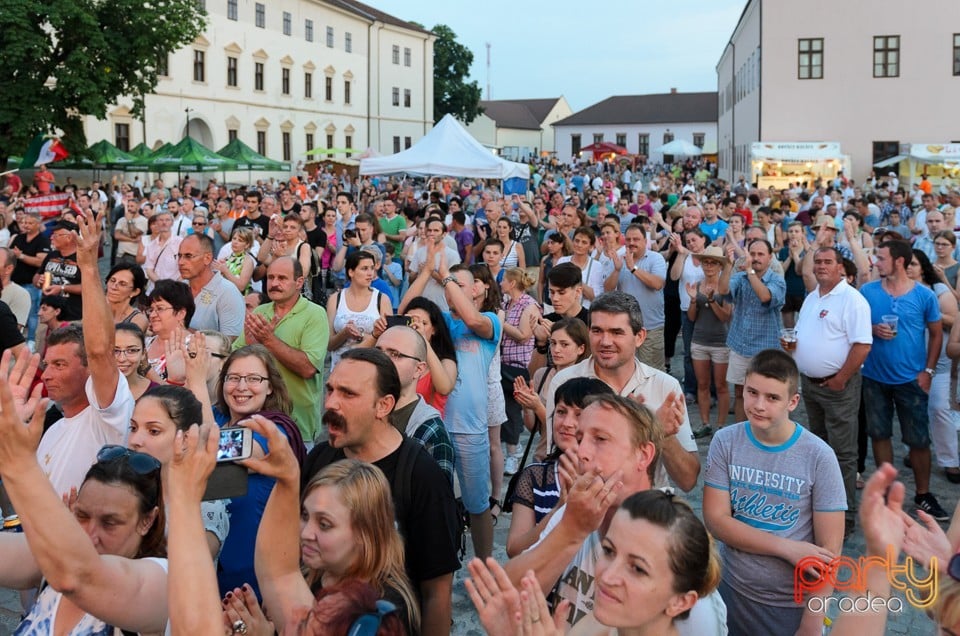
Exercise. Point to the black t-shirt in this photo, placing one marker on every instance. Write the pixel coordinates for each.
(260, 225)
(65, 271)
(584, 316)
(429, 526)
(316, 237)
(294, 209)
(10, 335)
(23, 273)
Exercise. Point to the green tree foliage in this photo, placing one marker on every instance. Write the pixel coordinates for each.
(63, 59)
(451, 65)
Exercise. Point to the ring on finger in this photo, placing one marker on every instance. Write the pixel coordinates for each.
(239, 627)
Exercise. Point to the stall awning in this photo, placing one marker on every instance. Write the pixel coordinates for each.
(890, 161)
(935, 153)
(795, 151)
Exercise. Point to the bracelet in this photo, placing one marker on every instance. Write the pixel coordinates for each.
(269, 238)
(448, 279)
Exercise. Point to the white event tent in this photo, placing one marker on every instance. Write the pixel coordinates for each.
(447, 150)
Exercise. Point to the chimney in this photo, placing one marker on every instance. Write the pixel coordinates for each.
(673, 91)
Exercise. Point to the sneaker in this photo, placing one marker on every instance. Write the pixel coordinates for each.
(690, 398)
(705, 431)
(929, 504)
(511, 466)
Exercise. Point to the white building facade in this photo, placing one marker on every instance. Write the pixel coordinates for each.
(641, 124)
(873, 75)
(287, 76)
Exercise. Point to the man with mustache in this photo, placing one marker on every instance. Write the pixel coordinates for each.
(296, 332)
(362, 391)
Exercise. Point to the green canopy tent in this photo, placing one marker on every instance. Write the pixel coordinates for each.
(105, 155)
(189, 155)
(249, 159)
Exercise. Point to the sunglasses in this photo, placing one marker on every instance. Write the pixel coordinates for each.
(369, 624)
(140, 463)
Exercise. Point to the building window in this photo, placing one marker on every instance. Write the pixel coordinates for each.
(328, 89)
(886, 56)
(329, 141)
(346, 91)
(308, 30)
(396, 144)
(121, 136)
(885, 150)
(286, 146)
(407, 142)
(163, 66)
(231, 9)
(260, 15)
(287, 23)
(232, 134)
(643, 144)
(667, 137)
(231, 71)
(396, 96)
(309, 141)
(348, 42)
(198, 70)
(622, 140)
(396, 54)
(348, 142)
(575, 145)
(698, 140)
(262, 142)
(329, 37)
(598, 138)
(258, 76)
(285, 81)
(810, 58)
(406, 56)
(956, 53)
(308, 85)
(406, 98)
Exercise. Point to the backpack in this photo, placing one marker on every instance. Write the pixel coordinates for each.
(402, 495)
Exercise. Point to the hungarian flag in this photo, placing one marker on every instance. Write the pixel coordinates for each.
(44, 149)
(49, 205)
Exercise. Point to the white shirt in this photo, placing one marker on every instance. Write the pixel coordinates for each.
(646, 381)
(591, 277)
(828, 326)
(69, 448)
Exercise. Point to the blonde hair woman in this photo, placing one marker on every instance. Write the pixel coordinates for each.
(238, 267)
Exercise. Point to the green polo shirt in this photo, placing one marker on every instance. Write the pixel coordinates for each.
(306, 329)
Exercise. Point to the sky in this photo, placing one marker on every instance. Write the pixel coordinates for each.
(583, 51)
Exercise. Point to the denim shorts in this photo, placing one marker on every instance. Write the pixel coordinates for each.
(473, 470)
(910, 402)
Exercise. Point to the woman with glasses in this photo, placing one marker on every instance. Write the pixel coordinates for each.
(124, 285)
(944, 247)
(170, 309)
(100, 563)
(130, 349)
(250, 384)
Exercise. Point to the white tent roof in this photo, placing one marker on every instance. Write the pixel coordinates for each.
(448, 149)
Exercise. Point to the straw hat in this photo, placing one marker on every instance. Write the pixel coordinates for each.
(825, 220)
(713, 253)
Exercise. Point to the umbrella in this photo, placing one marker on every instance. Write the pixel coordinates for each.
(249, 159)
(604, 148)
(681, 148)
(190, 156)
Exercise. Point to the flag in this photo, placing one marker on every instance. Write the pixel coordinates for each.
(43, 150)
(47, 206)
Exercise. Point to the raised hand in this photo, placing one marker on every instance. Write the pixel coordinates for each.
(88, 239)
(589, 499)
(175, 353)
(881, 511)
(18, 441)
(691, 290)
(496, 599)
(536, 619)
(279, 462)
(524, 394)
(194, 458)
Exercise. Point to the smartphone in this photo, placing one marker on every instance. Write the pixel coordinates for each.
(398, 321)
(235, 443)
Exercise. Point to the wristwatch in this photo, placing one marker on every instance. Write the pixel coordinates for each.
(930, 372)
(752, 271)
(633, 270)
(448, 279)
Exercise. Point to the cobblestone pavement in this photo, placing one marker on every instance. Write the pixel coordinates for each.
(910, 621)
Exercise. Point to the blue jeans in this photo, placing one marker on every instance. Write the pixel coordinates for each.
(32, 319)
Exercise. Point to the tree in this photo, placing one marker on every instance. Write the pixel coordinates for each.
(64, 59)
(451, 65)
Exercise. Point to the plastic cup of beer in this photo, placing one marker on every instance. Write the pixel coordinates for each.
(788, 338)
(891, 321)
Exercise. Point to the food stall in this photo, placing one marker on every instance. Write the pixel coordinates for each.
(779, 164)
(940, 162)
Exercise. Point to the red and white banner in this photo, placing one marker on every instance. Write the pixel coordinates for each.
(47, 206)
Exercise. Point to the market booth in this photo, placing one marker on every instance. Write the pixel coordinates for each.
(779, 164)
(940, 162)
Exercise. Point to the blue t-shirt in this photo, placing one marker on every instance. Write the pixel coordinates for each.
(714, 230)
(900, 359)
(466, 410)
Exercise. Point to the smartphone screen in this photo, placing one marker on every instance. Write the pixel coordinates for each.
(398, 321)
(235, 443)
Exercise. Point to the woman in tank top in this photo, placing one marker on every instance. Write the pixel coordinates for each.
(353, 310)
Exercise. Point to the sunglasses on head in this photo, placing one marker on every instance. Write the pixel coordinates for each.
(140, 463)
(369, 624)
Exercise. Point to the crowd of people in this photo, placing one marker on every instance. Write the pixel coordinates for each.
(398, 350)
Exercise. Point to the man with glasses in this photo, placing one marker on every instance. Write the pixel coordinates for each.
(61, 265)
(412, 416)
(296, 332)
(219, 304)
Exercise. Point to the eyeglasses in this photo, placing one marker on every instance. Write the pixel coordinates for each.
(116, 282)
(397, 355)
(156, 309)
(216, 355)
(129, 352)
(200, 223)
(188, 257)
(141, 463)
(252, 379)
(369, 624)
